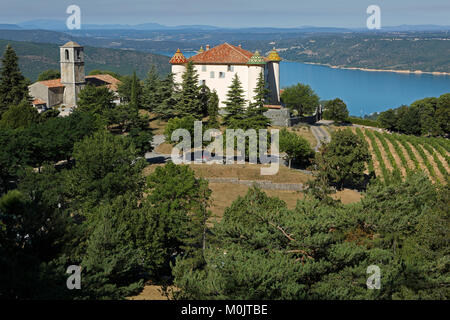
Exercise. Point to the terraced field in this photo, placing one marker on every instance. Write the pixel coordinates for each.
(398, 154)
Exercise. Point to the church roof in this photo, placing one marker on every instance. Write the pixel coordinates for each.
(54, 83)
(71, 44)
(273, 55)
(97, 80)
(224, 53)
(112, 83)
(256, 59)
(178, 58)
(37, 102)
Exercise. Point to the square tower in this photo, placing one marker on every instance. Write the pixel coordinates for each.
(72, 72)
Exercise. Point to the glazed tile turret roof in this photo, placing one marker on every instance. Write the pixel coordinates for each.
(178, 58)
(256, 59)
(273, 56)
(223, 54)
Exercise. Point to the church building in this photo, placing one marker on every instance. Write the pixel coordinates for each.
(64, 92)
(217, 66)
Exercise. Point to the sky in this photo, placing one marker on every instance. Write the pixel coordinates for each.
(232, 13)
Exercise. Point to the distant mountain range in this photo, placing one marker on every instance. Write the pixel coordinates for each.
(60, 25)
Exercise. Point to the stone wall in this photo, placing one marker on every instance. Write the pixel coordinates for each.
(263, 184)
(279, 117)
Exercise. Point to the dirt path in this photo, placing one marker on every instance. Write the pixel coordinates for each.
(406, 155)
(321, 135)
(376, 164)
(443, 161)
(419, 159)
(396, 158)
(439, 175)
(386, 160)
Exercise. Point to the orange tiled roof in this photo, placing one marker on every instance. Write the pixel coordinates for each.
(112, 83)
(271, 106)
(54, 83)
(223, 54)
(38, 101)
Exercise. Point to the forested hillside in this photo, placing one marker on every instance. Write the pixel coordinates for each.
(408, 50)
(37, 57)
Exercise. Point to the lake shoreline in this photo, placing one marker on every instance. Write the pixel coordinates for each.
(434, 73)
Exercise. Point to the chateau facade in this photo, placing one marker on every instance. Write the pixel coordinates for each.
(217, 66)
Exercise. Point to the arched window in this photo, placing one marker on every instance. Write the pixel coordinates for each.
(67, 54)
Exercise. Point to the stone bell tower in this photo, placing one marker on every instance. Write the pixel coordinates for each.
(72, 72)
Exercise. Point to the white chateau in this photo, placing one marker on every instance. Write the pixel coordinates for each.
(64, 92)
(217, 66)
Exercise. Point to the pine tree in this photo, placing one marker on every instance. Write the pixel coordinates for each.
(165, 98)
(150, 89)
(235, 103)
(135, 91)
(20, 116)
(203, 98)
(254, 115)
(213, 110)
(13, 86)
(188, 101)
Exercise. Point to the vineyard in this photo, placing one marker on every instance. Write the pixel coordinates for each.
(396, 155)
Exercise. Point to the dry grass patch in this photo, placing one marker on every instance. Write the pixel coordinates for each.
(164, 148)
(249, 172)
(152, 292)
(302, 131)
(223, 195)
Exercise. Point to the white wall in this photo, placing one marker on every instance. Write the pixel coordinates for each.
(247, 76)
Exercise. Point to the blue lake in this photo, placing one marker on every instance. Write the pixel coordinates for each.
(364, 92)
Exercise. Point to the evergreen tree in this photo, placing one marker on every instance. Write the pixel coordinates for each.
(150, 99)
(130, 89)
(203, 98)
(135, 91)
(97, 100)
(165, 98)
(106, 166)
(13, 86)
(188, 97)
(235, 103)
(213, 110)
(254, 115)
(20, 116)
(179, 203)
(345, 159)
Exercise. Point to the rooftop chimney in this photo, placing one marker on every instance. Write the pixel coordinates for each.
(207, 47)
(240, 46)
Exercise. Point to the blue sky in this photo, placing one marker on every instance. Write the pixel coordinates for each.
(232, 13)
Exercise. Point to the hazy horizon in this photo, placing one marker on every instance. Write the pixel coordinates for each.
(232, 13)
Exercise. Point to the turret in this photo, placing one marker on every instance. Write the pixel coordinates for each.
(273, 66)
(178, 63)
(256, 66)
